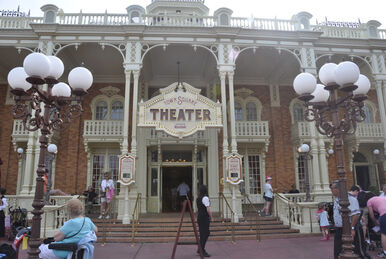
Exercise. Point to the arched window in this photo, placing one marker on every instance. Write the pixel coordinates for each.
(298, 112)
(224, 20)
(238, 112)
(251, 111)
(369, 114)
(135, 17)
(101, 111)
(117, 111)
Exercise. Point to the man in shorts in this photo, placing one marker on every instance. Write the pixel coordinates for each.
(378, 204)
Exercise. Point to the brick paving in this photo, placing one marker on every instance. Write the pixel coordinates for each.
(294, 248)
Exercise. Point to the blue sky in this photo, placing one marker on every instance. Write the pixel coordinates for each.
(341, 10)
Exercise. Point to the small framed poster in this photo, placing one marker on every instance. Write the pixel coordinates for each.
(126, 169)
(234, 169)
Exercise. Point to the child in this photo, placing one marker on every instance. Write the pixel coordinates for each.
(322, 216)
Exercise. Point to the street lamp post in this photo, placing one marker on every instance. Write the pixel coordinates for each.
(52, 149)
(304, 152)
(379, 158)
(336, 107)
(51, 108)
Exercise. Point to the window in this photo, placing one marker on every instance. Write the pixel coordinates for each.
(224, 20)
(238, 112)
(117, 111)
(101, 111)
(251, 112)
(298, 112)
(368, 114)
(254, 174)
(301, 173)
(105, 162)
(154, 182)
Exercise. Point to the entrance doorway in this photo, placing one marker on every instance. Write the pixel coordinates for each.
(362, 176)
(171, 178)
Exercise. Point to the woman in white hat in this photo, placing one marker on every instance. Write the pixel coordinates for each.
(268, 196)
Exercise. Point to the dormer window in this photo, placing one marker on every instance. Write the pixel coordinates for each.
(178, 11)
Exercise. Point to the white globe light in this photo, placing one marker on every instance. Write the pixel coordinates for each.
(320, 94)
(376, 152)
(61, 90)
(326, 73)
(363, 84)
(330, 151)
(304, 148)
(346, 73)
(304, 83)
(37, 65)
(52, 148)
(57, 67)
(80, 78)
(16, 79)
(20, 150)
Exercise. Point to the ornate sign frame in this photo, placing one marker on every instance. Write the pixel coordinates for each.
(126, 169)
(180, 111)
(234, 169)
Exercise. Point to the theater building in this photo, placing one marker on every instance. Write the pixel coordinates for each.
(181, 87)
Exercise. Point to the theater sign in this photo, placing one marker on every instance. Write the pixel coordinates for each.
(180, 111)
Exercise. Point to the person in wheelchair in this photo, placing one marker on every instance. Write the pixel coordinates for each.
(78, 230)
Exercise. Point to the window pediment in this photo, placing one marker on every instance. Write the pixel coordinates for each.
(243, 92)
(110, 90)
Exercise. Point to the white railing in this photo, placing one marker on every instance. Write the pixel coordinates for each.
(93, 19)
(382, 34)
(298, 215)
(341, 32)
(273, 24)
(103, 128)
(252, 129)
(369, 130)
(19, 129)
(18, 22)
(301, 130)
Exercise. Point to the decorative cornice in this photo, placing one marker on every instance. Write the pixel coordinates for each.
(110, 90)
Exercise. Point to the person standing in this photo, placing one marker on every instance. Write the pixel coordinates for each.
(204, 217)
(268, 196)
(3, 207)
(107, 195)
(378, 204)
(353, 214)
(182, 189)
(323, 221)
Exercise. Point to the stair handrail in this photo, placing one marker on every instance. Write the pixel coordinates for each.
(258, 238)
(45, 217)
(231, 223)
(135, 218)
(292, 208)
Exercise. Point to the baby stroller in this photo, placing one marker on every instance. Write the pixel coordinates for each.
(18, 217)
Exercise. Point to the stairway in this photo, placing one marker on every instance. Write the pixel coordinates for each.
(160, 228)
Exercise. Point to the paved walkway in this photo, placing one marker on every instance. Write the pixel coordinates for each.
(299, 248)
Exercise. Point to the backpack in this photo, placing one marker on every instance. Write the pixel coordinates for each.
(8, 250)
(363, 197)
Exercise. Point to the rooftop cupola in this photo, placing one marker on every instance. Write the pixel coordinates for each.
(182, 7)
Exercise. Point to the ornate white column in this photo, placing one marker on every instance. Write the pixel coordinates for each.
(29, 165)
(224, 113)
(381, 104)
(134, 117)
(232, 113)
(315, 183)
(125, 144)
(323, 166)
(384, 94)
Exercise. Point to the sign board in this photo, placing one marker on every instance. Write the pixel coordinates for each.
(126, 169)
(234, 168)
(180, 111)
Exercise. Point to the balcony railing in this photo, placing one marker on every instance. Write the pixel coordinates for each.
(370, 130)
(176, 20)
(100, 128)
(252, 129)
(301, 130)
(18, 129)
